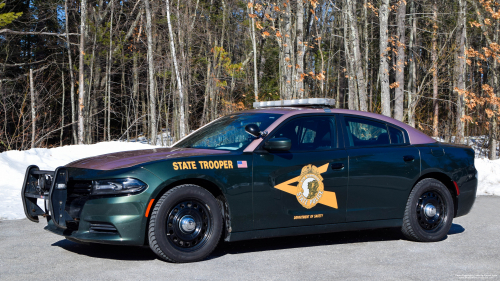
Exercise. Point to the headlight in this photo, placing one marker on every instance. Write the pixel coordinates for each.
(117, 186)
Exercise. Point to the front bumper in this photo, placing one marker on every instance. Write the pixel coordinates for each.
(108, 220)
(117, 220)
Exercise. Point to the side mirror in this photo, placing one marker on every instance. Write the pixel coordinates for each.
(280, 144)
(253, 130)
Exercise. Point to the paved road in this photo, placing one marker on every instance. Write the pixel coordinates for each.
(471, 251)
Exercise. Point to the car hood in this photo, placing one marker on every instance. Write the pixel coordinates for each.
(131, 158)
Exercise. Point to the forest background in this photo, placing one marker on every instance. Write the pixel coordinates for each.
(85, 71)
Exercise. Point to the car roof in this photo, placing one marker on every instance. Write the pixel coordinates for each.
(416, 136)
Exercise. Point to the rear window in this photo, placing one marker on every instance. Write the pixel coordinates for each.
(363, 132)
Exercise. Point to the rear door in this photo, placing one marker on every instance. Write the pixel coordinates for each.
(306, 185)
(382, 168)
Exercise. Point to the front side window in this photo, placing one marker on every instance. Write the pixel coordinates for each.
(228, 133)
(309, 133)
(363, 132)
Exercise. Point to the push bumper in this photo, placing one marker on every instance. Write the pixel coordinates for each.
(108, 220)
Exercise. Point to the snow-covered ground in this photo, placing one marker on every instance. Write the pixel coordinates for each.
(13, 165)
(489, 176)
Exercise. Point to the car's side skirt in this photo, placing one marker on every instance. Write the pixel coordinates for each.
(313, 229)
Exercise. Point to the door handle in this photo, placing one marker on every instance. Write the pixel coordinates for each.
(337, 166)
(408, 158)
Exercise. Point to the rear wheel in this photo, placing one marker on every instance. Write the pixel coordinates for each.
(185, 225)
(429, 212)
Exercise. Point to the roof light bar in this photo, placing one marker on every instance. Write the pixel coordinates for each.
(297, 102)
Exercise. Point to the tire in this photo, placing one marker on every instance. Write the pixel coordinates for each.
(185, 225)
(422, 222)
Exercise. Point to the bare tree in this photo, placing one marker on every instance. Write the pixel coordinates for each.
(254, 46)
(400, 62)
(62, 109)
(358, 63)
(460, 69)
(412, 79)
(289, 61)
(81, 81)
(435, 104)
(493, 130)
(384, 66)
(71, 75)
(299, 80)
(349, 61)
(33, 110)
(151, 74)
(182, 122)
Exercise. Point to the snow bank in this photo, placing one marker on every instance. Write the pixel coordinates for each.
(489, 176)
(13, 165)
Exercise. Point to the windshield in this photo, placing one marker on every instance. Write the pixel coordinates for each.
(228, 133)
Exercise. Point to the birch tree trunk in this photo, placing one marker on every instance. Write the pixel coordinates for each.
(494, 121)
(384, 66)
(352, 92)
(400, 63)
(367, 48)
(435, 103)
(358, 64)
(299, 80)
(184, 70)
(254, 46)
(81, 81)
(62, 109)
(33, 110)
(461, 68)
(151, 74)
(288, 50)
(71, 75)
(108, 70)
(412, 89)
(135, 90)
(177, 74)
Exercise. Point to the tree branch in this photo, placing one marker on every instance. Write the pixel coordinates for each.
(34, 33)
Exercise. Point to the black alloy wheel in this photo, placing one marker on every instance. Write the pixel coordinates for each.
(189, 225)
(185, 225)
(429, 212)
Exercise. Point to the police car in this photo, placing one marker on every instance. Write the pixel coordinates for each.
(285, 168)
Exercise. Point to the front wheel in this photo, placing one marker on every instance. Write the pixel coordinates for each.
(185, 225)
(429, 212)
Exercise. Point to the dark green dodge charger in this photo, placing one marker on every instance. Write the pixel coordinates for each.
(286, 168)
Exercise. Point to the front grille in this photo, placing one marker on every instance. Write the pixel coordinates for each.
(78, 194)
(79, 187)
(102, 227)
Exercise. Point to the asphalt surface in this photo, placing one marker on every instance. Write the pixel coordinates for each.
(471, 251)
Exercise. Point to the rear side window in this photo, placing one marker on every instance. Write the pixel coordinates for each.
(397, 136)
(363, 132)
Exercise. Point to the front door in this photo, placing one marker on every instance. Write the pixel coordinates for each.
(306, 185)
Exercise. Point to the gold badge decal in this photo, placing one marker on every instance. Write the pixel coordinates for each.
(310, 190)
